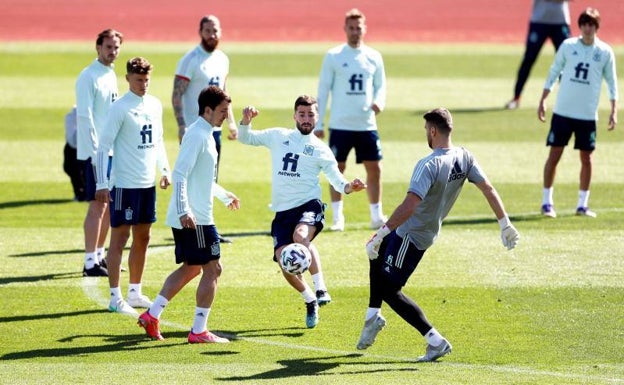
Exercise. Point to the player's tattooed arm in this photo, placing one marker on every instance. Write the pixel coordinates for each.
(180, 85)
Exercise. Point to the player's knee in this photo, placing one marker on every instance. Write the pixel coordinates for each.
(301, 235)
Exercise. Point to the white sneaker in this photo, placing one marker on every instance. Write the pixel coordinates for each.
(512, 104)
(377, 223)
(322, 297)
(121, 306)
(139, 301)
(585, 212)
(338, 225)
(371, 328)
(435, 352)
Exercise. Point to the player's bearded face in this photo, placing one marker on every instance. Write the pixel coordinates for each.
(429, 137)
(355, 29)
(109, 50)
(305, 118)
(305, 128)
(210, 44)
(210, 35)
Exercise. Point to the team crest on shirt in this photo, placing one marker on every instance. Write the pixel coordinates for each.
(597, 57)
(308, 150)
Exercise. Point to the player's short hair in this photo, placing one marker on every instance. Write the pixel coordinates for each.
(207, 18)
(354, 14)
(211, 96)
(138, 65)
(589, 16)
(108, 33)
(305, 100)
(441, 118)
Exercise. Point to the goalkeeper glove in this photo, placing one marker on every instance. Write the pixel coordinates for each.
(372, 247)
(509, 234)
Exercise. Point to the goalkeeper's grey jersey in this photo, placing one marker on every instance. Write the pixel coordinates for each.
(297, 160)
(438, 179)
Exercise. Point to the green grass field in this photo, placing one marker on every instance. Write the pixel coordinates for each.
(549, 312)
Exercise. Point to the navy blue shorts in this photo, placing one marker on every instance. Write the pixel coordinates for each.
(131, 206)
(366, 143)
(283, 226)
(91, 178)
(400, 258)
(196, 246)
(562, 128)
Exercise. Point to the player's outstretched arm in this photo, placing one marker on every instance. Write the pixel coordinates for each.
(509, 234)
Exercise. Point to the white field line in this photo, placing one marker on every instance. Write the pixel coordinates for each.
(91, 290)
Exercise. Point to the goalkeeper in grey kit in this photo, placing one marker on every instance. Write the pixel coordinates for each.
(398, 246)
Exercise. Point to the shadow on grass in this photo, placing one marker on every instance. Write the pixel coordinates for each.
(34, 317)
(317, 366)
(113, 344)
(38, 278)
(108, 344)
(17, 204)
(291, 332)
(152, 246)
(490, 219)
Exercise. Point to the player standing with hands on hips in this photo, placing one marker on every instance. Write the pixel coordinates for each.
(297, 160)
(581, 63)
(398, 246)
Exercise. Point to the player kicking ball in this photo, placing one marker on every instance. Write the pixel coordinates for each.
(297, 160)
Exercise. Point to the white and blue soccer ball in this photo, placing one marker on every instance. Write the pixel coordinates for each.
(295, 258)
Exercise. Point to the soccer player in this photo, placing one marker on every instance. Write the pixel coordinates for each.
(96, 90)
(550, 19)
(398, 246)
(297, 160)
(134, 131)
(205, 65)
(581, 63)
(190, 216)
(354, 75)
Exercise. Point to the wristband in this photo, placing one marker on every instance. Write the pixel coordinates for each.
(504, 222)
(383, 231)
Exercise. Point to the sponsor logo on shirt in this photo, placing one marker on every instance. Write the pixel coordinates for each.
(289, 165)
(356, 83)
(456, 173)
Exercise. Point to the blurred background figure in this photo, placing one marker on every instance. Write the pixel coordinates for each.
(549, 19)
(71, 166)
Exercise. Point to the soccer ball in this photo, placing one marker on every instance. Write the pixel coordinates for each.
(295, 258)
